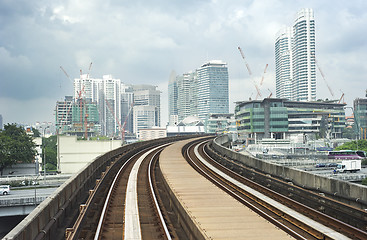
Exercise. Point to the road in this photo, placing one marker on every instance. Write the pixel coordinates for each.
(27, 193)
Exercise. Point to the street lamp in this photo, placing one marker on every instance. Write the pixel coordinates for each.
(44, 154)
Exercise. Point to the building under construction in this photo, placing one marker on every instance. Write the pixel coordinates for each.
(77, 118)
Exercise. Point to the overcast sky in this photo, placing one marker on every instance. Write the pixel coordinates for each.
(142, 41)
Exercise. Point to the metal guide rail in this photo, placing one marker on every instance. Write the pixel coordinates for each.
(114, 210)
(238, 174)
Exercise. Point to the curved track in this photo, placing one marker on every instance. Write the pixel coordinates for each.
(130, 209)
(315, 225)
(130, 202)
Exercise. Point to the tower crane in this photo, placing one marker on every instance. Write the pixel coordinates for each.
(250, 73)
(66, 74)
(323, 77)
(262, 79)
(124, 124)
(342, 97)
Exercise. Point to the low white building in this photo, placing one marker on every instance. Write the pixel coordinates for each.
(73, 155)
(152, 133)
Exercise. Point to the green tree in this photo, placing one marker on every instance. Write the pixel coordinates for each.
(36, 132)
(349, 133)
(50, 150)
(15, 146)
(354, 145)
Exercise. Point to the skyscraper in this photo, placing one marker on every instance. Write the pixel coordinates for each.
(172, 98)
(283, 63)
(295, 59)
(146, 111)
(212, 90)
(186, 97)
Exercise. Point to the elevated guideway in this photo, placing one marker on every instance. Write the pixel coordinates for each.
(192, 207)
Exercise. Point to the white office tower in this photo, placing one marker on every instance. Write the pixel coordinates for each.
(283, 63)
(187, 95)
(144, 117)
(295, 63)
(172, 99)
(127, 105)
(212, 89)
(112, 103)
(146, 101)
(303, 53)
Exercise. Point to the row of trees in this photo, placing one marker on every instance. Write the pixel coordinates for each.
(16, 146)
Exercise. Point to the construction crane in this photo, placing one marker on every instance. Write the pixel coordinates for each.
(90, 66)
(271, 93)
(124, 124)
(82, 105)
(262, 79)
(323, 77)
(342, 97)
(250, 73)
(243, 56)
(67, 75)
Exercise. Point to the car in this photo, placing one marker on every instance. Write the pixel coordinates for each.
(320, 165)
(4, 189)
(332, 165)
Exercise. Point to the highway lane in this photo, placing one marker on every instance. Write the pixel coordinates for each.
(27, 193)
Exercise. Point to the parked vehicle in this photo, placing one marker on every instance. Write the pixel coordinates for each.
(4, 189)
(349, 166)
(319, 165)
(331, 165)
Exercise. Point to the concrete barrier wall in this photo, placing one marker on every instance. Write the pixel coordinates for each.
(47, 216)
(298, 177)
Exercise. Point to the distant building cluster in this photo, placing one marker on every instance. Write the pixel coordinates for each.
(108, 107)
(198, 101)
(202, 93)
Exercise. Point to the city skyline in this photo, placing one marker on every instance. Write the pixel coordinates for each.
(37, 38)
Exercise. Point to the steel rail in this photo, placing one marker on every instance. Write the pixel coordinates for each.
(322, 218)
(163, 222)
(107, 201)
(255, 208)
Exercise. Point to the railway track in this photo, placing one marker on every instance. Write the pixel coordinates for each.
(311, 224)
(125, 215)
(129, 202)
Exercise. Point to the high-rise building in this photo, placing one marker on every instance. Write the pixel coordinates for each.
(212, 89)
(1, 122)
(172, 98)
(64, 114)
(283, 63)
(182, 96)
(112, 103)
(146, 111)
(295, 59)
(127, 104)
(186, 97)
(360, 117)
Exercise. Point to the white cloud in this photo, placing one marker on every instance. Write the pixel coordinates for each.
(142, 41)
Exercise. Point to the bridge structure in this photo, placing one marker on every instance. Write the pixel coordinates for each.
(195, 188)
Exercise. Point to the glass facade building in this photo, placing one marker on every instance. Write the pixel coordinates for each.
(212, 89)
(360, 117)
(279, 118)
